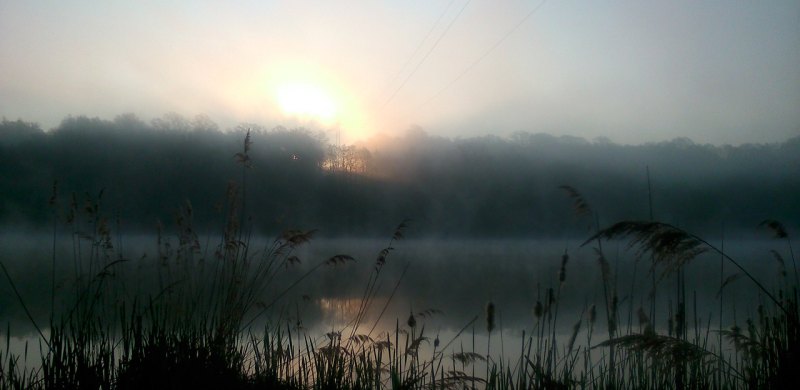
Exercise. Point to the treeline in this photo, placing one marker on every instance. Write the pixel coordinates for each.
(487, 186)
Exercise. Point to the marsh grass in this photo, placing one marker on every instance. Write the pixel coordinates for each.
(211, 316)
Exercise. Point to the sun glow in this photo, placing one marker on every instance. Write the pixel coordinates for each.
(297, 93)
(306, 101)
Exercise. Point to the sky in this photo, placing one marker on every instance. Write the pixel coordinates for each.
(721, 72)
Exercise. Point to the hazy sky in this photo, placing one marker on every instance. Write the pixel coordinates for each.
(634, 71)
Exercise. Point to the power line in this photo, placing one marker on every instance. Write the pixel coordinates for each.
(427, 54)
(486, 53)
(421, 43)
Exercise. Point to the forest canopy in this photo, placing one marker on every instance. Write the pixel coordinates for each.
(473, 187)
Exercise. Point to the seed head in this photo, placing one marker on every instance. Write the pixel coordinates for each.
(643, 319)
(412, 322)
(562, 273)
(490, 317)
(537, 310)
(778, 230)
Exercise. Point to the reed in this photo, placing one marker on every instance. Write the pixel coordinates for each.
(213, 319)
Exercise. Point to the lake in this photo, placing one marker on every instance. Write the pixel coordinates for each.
(445, 283)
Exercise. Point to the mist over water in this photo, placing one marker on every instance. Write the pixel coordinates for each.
(451, 280)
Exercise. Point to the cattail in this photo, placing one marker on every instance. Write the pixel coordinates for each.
(436, 342)
(562, 273)
(490, 317)
(612, 325)
(537, 310)
(592, 314)
(614, 302)
(644, 321)
(680, 321)
(612, 317)
(412, 322)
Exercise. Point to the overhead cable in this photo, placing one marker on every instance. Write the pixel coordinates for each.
(486, 53)
(422, 42)
(427, 54)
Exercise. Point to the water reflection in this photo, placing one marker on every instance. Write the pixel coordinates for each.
(453, 279)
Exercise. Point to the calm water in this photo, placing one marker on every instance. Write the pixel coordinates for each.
(451, 280)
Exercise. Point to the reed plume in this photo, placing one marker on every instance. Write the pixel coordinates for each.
(777, 228)
(579, 203)
(660, 348)
(669, 246)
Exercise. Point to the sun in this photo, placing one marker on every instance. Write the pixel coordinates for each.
(298, 93)
(306, 101)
